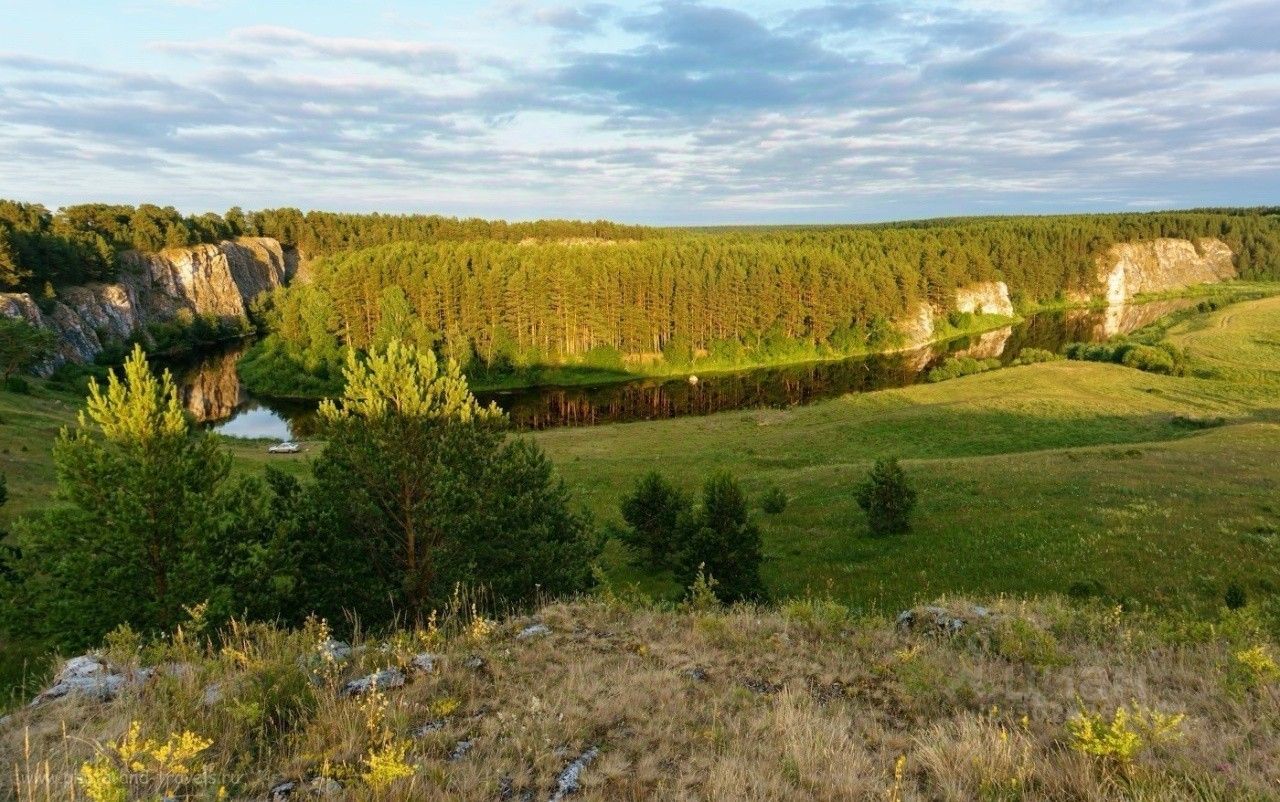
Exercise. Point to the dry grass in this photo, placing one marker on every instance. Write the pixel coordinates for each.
(805, 702)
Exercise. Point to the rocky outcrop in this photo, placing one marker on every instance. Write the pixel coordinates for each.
(218, 281)
(985, 298)
(917, 327)
(1127, 269)
(205, 280)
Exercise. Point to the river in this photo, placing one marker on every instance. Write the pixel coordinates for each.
(212, 391)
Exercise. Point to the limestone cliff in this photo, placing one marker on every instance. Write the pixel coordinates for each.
(177, 283)
(217, 280)
(987, 297)
(1130, 268)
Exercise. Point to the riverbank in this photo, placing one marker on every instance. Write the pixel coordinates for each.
(270, 371)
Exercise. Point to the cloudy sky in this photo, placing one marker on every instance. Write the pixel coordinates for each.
(667, 112)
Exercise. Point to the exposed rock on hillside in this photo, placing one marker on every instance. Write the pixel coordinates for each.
(217, 281)
(988, 298)
(917, 328)
(985, 298)
(1162, 264)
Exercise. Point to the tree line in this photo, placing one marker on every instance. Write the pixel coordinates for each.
(724, 296)
(82, 243)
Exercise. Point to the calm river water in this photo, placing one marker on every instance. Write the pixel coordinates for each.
(214, 395)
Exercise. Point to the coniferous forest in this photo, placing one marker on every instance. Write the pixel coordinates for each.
(505, 299)
(727, 297)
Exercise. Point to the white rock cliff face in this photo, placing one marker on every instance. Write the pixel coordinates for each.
(1131, 268)
(985, 298)
(205, 280)
(988, 297)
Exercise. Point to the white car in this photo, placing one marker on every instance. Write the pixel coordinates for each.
(286, 447)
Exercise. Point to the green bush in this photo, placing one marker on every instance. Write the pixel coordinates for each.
(1152, 360)
(774, 500)
(888, 498)
(17, 384)
(1032, 356)
(1164, 358)
(955, 367)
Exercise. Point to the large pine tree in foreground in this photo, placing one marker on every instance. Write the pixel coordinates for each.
(426, 480)
(140, 489)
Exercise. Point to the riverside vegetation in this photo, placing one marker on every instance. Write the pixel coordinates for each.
(1140, 664)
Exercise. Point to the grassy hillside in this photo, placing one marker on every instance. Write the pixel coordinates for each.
(1021, 701)
(1032, 478)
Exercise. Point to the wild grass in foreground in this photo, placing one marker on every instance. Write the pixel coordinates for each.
(615, 699)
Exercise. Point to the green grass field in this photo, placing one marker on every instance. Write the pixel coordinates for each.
(1031, 478)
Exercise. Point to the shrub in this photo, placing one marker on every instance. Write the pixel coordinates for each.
(1163, 358)
(1127, 733)
(17, 384)
(955, 367)
(653, 512)
(1031, 356)
(1148, 358)
(1234, 598)
(887, 498)
(774, 500)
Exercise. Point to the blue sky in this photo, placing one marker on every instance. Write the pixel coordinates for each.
(667, 112)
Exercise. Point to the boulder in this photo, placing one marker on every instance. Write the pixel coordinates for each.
(569, 781)
(935, 620)
(424, 663)
(90, 677)
(386, 678)
(533, 631)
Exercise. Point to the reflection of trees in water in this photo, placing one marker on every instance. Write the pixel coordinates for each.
(541, 408)
(649, 400)
(211, 389)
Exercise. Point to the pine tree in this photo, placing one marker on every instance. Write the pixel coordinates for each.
(654, 512)
(888, 498)
(721, 541)
(140, 487)
(421, 474)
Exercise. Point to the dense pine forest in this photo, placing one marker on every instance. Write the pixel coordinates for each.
(724, 297)
(83, 242)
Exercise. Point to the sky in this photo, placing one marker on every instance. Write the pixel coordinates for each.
(674, 112)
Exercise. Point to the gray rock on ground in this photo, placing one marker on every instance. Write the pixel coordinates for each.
(384, 679)
(533, 631)
(569, 781)
(90, 677)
